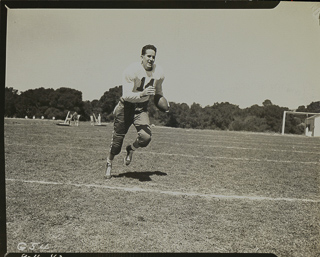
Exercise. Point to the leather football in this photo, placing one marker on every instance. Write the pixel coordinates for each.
(161, 103)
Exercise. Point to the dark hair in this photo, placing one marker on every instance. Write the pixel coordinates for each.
(146, 47)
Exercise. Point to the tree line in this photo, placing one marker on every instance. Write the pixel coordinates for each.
(51, 103)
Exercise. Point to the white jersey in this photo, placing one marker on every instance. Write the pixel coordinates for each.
(135, 79)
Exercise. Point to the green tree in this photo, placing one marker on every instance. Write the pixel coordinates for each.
(223, 114)
(314, 107)
(87, 110)
(108, 101)
(273, 115)
(266, 103)
(51, 112)
(48, 102)
(10, 99)
(195, 116)
(301, 108)
(67, 99)
(56, 103)
(178, 115)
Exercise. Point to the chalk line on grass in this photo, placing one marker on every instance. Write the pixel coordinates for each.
(229, 158)
(174, 193)
(240, 148)
(246, 140)
(192, 156)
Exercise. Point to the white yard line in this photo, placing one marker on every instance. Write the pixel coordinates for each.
(240, 148)
(223, 138)
(175, 193)
(228, 158)
(239, 139)
(192, 145)
(196, 156)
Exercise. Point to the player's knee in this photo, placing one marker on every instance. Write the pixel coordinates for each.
(116, 144)
(115, 150)
(144, 138)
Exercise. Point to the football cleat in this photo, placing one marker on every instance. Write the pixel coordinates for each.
(108, 170)
(128, 158)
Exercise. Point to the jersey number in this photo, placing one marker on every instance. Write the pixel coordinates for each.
(142, 87)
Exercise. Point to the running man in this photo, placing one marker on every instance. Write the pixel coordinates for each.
(139, 81)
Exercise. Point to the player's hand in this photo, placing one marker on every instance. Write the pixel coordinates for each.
(148, 91)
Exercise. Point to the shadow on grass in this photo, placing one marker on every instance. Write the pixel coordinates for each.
(142, 176)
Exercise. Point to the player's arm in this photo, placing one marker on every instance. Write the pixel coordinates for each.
(159, 81)
(129, 94)
(128, 89)
(159, 99)
(158, 87)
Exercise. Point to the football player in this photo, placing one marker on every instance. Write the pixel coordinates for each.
(139, 81)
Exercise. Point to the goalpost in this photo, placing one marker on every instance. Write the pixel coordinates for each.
(292, 112)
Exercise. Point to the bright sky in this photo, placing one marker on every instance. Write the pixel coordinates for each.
(238, 56)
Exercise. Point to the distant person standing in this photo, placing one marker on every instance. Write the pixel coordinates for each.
(75, 118)
(139, 81)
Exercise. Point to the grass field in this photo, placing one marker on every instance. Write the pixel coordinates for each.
(188, 191)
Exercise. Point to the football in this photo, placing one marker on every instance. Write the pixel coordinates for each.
(161, 103)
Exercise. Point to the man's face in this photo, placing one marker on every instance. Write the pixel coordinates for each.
(148, 59)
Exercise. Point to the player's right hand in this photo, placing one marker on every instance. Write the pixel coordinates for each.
(148, 91)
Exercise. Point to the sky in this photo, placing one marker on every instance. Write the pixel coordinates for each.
(209, 56)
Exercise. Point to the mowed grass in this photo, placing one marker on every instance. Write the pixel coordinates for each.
(188, 191)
